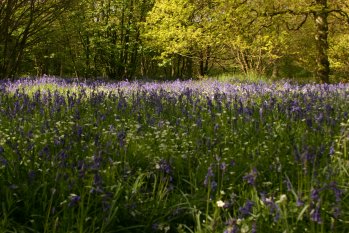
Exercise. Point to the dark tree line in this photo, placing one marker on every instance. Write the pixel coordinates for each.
(21, 23)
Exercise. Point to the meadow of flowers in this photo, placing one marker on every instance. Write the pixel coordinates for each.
(182, 156)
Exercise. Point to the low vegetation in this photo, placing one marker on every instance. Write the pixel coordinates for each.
(190, 156)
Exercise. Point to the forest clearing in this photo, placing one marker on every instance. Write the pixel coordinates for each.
(193, 116)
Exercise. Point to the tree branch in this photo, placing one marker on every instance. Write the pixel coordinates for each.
(299, 26)
(341, 13)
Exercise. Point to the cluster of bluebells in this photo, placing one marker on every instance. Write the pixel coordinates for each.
(250, 178)
(246, 210)
(209, 179)
(273, 207)
(96, 143)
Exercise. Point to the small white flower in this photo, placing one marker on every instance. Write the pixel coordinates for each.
(220, 203)
(283, 199)
(245, 228)
(239, 221)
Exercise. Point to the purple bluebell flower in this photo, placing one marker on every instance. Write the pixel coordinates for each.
(45, 151)
(241, 107)
(164, 166)
(299, 202)
(199, 122)
(288, 184)
(250, 178)
(336, 212)
(227, 205)
(315, 215)
(232, 226)
(246, 210)
(178, 122)
(96, 190)
(214, 185)
(97, 180)
(81, 169)
(223, 166)
(332, 150)
(208, 176)
(74, 200)
(216, 127)
(254, 227)
(122, 138)
(320, 118)
(62, 156)
(337, 191)
(79, 131)
(209, 103)
(3, 161)
(309, 156)
(273, 207)
(315, 195)
(309, 122)
(97, 162)
(106, 198)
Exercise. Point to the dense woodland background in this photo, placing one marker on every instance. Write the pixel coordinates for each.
(170, 39)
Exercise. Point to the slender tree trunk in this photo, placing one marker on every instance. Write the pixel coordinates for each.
(244, 62)
(202, 68)
(207, 59)
(22, 42)
(275, 71)
(5, 37)
(205, 56)
(120, 62)
(143, 65)
(321, 37)
(189, 67)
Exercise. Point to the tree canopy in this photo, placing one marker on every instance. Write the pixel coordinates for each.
(128, 39)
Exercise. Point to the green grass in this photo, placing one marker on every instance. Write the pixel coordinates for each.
(180, 157)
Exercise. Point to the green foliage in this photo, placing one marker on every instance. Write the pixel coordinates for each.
(126, 39)
(338, 53)
(21, 25)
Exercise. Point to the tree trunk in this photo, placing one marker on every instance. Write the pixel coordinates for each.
(205, 56)
(321, 37)
(275, 72)
(202, 68)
